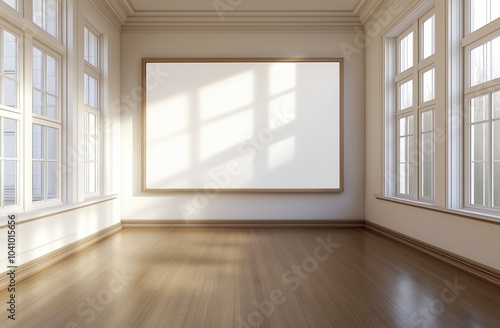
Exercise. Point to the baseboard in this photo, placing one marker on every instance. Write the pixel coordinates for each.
(32, 267)
(479, 270)
(242, 223)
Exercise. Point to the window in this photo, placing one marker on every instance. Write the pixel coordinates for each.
(415, 97)
(9, 72)
(451, 127)
(482, 12)
(10, 162)
(91, 79)
(46, 15)
(12, 3)
(45, 163)
(46, 126)
(9, 119)
(45, 84)
(482, 107)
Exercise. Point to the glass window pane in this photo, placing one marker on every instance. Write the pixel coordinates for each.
(478, 184)
(403, 151)
(483, 12)
(91, 177)
(496, 184)
(38, 69)
(91, 124)
(478, 65)
(10, 93)
(428, 82)
(38, 12)
(12, 3)
(427, 154)
(37, 181)
(38, 102)
(37, 143)
(496, 140)
(52, 144)
(495, 58)
(51, 17)
(403, 179)
(479, 109)
(51, 75)
(428, 121)
(478, 142)
(91, 47)
(410, 125)
(10, 138)
(485, 62)
(10, 183)
(10, 55)
(91, 148)
(406, 95)
(90, 91)
(496, 105)
(428, 35)
(402, 126)
(52, 180)
(52, 107)
(406, 52)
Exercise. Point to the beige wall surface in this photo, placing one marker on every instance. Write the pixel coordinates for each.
(139, 205)
(472, 239)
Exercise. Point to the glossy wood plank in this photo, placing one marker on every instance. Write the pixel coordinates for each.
(229, 277)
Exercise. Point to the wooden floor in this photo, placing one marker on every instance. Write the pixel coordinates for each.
(253, 278)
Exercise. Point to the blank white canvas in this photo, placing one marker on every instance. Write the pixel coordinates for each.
(242, 126)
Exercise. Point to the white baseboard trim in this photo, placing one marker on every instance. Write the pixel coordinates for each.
(32, 267)
(242, 223)
(476, 269)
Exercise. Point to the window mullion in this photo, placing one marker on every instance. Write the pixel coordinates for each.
(489, 155)
(415, 155)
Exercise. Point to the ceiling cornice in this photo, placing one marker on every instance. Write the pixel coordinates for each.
(241, 20)
(121, 8)
(136, 20)
(365, 8)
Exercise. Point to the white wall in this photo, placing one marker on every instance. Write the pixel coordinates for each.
(475, 240)
(139, 205)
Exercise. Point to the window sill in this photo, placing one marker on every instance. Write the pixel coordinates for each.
(489, 218)
(38, 214)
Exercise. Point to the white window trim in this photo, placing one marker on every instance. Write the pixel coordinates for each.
(420, 66)
(97, 73)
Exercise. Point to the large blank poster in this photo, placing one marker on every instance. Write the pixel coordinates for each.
(242, 125)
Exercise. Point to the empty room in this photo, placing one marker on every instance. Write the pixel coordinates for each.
(250, 163)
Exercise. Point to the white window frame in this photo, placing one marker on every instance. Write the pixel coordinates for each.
(414, 73)
(44, 18)
(95, 72)
(46, 202)
(17, 7)
(16, 114)
(471, 41)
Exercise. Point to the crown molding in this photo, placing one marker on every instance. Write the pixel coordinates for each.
(241, 20)
(121, 9)
(365, 9)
